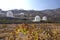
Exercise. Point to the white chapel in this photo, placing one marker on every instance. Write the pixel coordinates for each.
(37, 18)
(9, 14)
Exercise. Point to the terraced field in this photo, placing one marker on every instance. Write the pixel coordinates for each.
(33, 31)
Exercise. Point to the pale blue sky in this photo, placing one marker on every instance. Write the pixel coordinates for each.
(29, 4)
(45, 4)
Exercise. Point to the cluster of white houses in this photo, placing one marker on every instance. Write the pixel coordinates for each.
(9, 14)
(37, 18)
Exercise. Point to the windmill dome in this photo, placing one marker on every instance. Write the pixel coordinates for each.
(44, 18)
(37, 18)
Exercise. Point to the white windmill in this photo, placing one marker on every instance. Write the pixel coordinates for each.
(9, 14)
(37, 19)
(44, 18)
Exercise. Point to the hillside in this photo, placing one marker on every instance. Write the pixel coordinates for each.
(53, 15)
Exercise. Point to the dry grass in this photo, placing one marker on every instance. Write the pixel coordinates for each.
(41, 31)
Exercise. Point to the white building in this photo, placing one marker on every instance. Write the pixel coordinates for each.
(1, 11)
(37, 19)
(44, 18)
(9, 14)
(21, 14)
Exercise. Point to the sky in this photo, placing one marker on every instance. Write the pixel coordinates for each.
(29, 4)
